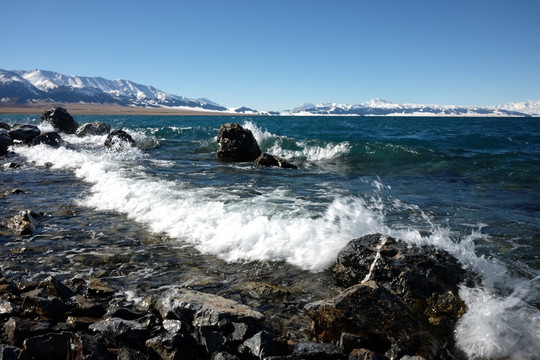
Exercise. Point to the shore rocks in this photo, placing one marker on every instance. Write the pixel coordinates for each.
(61, 120)
(93, 128)
(24, 223)
(236, 144)
(119, 138)
(5, 141)
(51, 138)
(272, 160)
(24, 133)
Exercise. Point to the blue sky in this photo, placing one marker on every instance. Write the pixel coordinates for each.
(274, 55)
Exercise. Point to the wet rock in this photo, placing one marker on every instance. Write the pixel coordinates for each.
(425, 277)
(55, 288)
(211, 339)
(93, 128)
(119, 138)
(24, 133)
(236, 144)
(273, 160)
(176, 326)
(5, 126)
(7, 309)
(118, 332)
(24, 223)
(11, 165)
(51, 138)
(173, 347)
(81, 323)
(17, 329)
(61, 120)
(348, 342)
(365, 354)
(318, 351)
(49, 346)
(203, 309)
(98, 288)
(222, 355)
(381, 319)
(88, 347)
(51, 308)
(262, 345)
(81, 306)
(124, 313)
(5, 141)
(8, 352)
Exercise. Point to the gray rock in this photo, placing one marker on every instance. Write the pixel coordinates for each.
(118, 332)
(24, 133)
(61, 120)
(93, 128)
(236, 144)
(365, 354)
(318, 351)
(263, 345)
(173, 347)
(201, 309)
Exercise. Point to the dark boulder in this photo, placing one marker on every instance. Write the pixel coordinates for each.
(51, 138)
(118, 139)
(8, 352)
(318, 351)
(24, 133)
(379, 318)
(54, 287)
(116, 332)
(5, 141)
(93, 128)
(5, 126)
(49, 346)
(236, 144)
(263, 345)
(177, 346)
(425, 277)
(273, 160)
(17, 329)
(61, 120)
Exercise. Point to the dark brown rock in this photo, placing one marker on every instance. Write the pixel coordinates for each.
(173, 347)
(118, 332)
(5, 126)
(55, 288)
(236, 144)
(49, 346)
(272, 160)
(17, 329)
(61, 120)
(318, 351)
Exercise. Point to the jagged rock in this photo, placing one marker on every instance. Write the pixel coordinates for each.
(124, 313)
(425, 277)
(55, 288)
(49, 346)
(176, 326)
(263, 345)
(81, 306)
(318, 351)
(119, 138)
(17, 329)
(273, 160)
(381, 319)
(24, 223)
(7, 309)
(5, 141)
(211, 339)
(51, 138)
(24, 133)
(5, 126)
(61, 120)
(201, 309)
(236, 144)
(51, 308)
(98, 288)
(93, 128)
(119, 332)
(222, 355)
(173, 347)
(365, 354)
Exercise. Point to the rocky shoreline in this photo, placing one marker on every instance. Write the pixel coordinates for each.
(395, 300)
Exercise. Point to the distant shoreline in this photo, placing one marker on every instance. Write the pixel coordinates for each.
(102, 109)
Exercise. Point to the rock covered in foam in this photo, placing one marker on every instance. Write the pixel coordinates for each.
(24, 133)
(119, 138)
(269, 160)
(93, 128)
(5, 141)
(61, 120)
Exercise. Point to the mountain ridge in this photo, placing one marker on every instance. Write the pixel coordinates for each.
(24, 87)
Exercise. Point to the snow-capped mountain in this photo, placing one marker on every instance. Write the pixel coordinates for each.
(383, 107)
(24, 86)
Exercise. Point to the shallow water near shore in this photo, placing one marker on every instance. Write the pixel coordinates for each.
(168, 213)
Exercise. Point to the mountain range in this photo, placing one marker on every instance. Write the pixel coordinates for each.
(22, 87)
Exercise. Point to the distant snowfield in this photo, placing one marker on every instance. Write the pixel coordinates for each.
(25, 87)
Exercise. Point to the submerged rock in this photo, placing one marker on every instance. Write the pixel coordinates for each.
(61, 120)
(24, 133)
(273, 160)
(119, 138)
(93, 128)
(236, 144)
(24, 223)
(5, 141)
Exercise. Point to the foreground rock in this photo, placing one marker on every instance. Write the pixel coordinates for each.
(236, 144)
(61, 120)
(118, 139)
(93, 128)
(5, 141)
(51, 138)
(24, 223)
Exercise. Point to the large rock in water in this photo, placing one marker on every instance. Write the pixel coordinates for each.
(5, 141)
(24, 133)
(269, 160)
(119, 138)
(236, 144)
(93, 128)
(61, 120)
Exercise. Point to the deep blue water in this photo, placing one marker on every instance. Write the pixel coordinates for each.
(469, 185)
